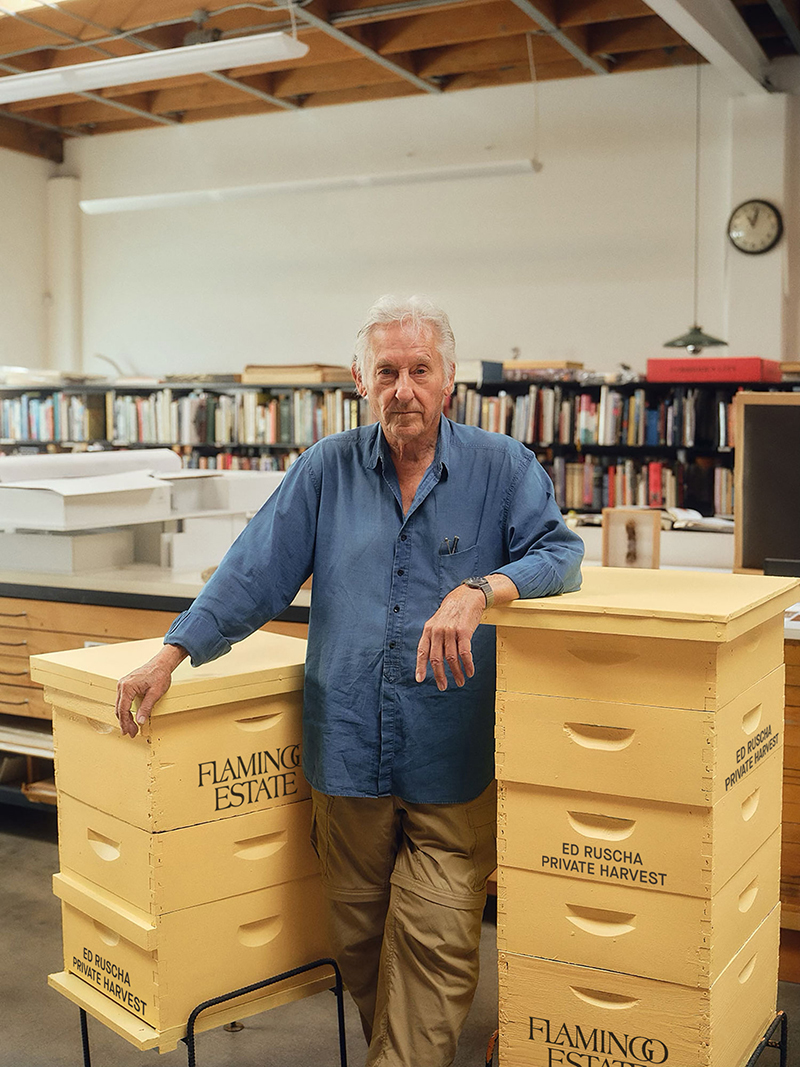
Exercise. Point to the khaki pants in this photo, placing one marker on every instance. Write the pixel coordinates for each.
(406, 887)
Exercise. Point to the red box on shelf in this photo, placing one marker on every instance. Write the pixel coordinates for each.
(714, 369)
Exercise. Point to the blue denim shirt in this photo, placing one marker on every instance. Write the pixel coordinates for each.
(369, 728)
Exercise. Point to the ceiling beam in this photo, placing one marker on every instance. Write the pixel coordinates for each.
(438, 29)
(540, 16)
(718, 32)
(514, 75)
(587, 12)
(314, 14)
(30, 138)
(489, 55)
(632, 35)
(786, 13)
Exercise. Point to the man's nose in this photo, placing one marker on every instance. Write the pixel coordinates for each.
(404, 391)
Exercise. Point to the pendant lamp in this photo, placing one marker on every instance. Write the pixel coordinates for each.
(695, 340)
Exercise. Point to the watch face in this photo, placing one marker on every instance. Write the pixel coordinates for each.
(755, 226)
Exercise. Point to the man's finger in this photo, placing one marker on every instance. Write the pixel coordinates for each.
(148, 700)
(126, 723)
(423, 654)
(436, 660)
(465, 654)
(121, 711)
(453, 662)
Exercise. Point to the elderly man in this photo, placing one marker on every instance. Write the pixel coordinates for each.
(411, 526)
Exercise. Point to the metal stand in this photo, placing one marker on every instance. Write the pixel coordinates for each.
(781, 1021)
(189, 1040)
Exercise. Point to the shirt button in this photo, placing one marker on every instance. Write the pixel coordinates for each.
(396, 608)
(401, 571)
(402, 537)
(392, 644)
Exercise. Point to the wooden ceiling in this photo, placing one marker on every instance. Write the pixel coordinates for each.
(358, 50)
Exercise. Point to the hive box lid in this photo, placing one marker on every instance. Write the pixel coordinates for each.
(687, 605)
(263, 663)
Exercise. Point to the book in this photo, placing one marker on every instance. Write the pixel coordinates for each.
(520, 370)
(203, 379)
(478, 371)
(714, 369)
(294, 374)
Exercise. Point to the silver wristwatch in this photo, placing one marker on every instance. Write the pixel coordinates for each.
(484, 586)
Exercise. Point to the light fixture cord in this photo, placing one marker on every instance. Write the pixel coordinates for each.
(697, 191)
(532, 67)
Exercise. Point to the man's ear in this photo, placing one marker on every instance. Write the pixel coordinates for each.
(362, 389)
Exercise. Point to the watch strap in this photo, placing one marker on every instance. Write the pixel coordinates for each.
(483, 585)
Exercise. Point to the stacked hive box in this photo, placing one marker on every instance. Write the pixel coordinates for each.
(790, 865)
(186, 868)
(639, 746)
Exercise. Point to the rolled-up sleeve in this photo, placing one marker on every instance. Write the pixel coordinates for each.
(545, 554)
(260, 574)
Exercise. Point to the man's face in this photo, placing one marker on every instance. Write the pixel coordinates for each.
(405, 384)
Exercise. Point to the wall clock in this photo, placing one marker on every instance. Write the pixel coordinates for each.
(755, 226)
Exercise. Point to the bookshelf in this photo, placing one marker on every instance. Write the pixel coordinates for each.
(231, 426)
(638, 443)
(603, 444)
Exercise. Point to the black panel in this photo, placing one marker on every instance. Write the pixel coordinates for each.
(770, 504)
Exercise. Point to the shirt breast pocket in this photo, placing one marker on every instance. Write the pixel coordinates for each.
(454, 567)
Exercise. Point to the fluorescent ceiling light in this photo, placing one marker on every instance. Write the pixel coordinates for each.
(148, 66)
(193, 197)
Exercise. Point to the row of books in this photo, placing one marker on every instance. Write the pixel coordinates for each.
(544, 415)
(548, 414)
(296, 417)
(240, 460)
(57, 417)
(594, 483)
(588, 485)
(248, 417)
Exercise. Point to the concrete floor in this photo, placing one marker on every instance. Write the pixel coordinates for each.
(39, 1028)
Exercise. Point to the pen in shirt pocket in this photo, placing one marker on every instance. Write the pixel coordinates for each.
(448, 546)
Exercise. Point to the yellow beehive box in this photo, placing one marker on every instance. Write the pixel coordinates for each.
(695, 674)
(158, 968)
(670, 848)
(164, 872)
(558, 1013)
(679, 639)
(225, 740)
(673, 938)
(635, 750)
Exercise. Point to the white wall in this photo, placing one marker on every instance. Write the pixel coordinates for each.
(591, 259)
(22, 259)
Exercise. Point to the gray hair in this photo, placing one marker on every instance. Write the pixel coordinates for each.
(415, 313)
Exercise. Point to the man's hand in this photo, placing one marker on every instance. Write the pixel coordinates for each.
(447, 635)
(150, 682)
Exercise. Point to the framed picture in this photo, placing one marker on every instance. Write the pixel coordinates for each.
(631, 537)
